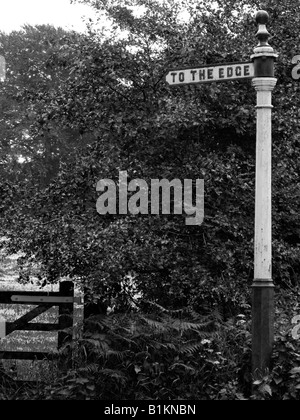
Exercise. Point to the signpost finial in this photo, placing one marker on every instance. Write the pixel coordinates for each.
(262, 18)
(264, 55)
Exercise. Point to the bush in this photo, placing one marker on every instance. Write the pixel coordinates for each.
(283, 383)
(167, 355)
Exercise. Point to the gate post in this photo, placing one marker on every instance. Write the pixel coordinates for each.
(66, 313)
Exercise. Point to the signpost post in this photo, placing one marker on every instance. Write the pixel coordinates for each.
(263, 286)
(261, 71)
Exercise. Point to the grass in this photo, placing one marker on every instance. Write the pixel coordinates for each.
(31, 340)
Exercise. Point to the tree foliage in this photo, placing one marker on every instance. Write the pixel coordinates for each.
(80, 108)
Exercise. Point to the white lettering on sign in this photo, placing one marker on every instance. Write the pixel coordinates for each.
(211, 74)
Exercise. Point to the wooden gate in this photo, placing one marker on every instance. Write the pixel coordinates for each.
(64, 299)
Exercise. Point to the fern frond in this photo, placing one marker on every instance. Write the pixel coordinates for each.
(164, 310)
(122, 337)
(119, 354)
(90, 368)
(185, 367)
(166, 346)
(182, 325)
(162, 327)
(114, 374)
(190, 348)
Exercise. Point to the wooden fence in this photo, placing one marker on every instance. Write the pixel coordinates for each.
(42, 301)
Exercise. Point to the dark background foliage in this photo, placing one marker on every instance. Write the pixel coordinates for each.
(80, 108)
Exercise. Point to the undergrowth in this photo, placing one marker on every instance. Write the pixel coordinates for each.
(166, 355)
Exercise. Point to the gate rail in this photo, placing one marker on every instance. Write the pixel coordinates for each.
(64, 299)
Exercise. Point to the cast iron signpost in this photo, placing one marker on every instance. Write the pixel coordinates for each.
(261, 71)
